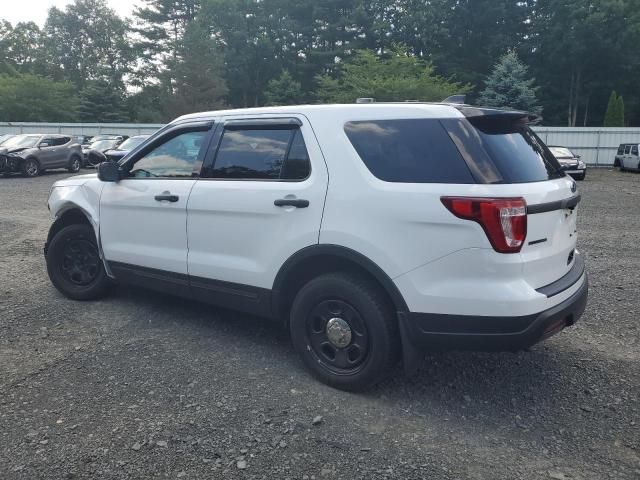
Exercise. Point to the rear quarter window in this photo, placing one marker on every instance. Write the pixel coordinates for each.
(408, 151)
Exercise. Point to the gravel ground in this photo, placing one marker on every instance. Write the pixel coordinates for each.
(139, 385)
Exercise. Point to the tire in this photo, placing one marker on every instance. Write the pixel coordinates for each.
(319, 313)
(31, 168)
(74, 265)
(75, 164)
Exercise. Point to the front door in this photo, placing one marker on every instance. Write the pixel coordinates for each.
(260, 201)
(47, 151)
(143, 217)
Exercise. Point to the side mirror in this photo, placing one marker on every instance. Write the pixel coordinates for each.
(42, 145)
(578, 156)
(108, 172)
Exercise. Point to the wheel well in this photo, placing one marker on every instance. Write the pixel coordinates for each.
(295, 274)
(70, 217)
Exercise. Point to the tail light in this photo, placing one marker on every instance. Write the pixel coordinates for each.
(504, 220)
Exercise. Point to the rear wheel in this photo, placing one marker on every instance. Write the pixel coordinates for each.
(74, 265)
(31, 168)
(74, 164)
(345, 331)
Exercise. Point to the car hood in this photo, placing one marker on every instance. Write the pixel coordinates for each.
(6, 150)
(76, 180)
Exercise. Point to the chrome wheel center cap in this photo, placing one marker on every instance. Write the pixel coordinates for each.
(338, 332)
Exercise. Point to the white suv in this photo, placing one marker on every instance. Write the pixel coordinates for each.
(373, 231)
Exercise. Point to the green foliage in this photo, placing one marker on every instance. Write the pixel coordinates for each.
(283, 90)
(100, 102)
(396, 76)
(614, 116)
(178, 55)
(197, 73)
(510, 86)
(32, 98)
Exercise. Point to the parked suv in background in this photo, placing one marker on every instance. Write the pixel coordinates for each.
(372, 231)
(629, 159)
(33, 154)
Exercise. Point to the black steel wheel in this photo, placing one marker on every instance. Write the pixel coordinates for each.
(345, 330)
(338, 336)
(74, 265)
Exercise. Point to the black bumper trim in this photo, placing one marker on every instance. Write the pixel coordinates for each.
(464, 332)
(567, 281)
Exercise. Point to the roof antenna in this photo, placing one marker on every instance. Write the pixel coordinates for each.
(458, 99)
(365, 100)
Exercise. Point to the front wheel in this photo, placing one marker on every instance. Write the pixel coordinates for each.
(345, 331)
(74, 165)
(74, 265)
(31, 168)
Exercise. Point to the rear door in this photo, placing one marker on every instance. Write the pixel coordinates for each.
(259, 201)
(626, 158)
(634, 158)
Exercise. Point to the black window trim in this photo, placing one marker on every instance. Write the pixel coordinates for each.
(166, 134)
(274, 123)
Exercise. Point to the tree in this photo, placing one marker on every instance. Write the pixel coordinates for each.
(100, 102)
(89, 42)
(620, 111)
(509, 86)
(283, 90)
(396, 76)
(33, 98)
(612, 115)
(197, 73)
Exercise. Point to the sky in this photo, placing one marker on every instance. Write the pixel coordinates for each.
(36, 10)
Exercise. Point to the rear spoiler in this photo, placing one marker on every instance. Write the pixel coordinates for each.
(498, 114)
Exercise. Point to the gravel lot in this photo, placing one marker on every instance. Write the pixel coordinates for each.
(140, 385)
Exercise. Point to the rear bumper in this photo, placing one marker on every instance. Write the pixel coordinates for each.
(465, 332)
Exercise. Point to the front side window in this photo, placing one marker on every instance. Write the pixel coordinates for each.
(262, 154)
(175, 158)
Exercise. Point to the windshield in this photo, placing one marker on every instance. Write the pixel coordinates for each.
(103, 145)
(561, 152)
(22, 141)
(131, 143)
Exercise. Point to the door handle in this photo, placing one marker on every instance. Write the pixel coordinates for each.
(167, 197)
(291, 202)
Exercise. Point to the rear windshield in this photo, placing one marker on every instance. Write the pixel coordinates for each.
(454, 150)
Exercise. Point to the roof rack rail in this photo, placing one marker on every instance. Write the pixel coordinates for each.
(365, 100)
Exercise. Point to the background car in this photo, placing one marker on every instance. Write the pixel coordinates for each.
(125, 147)
(101, 144)
(630, 159)
(32, 154)
(5, 137)
(570, 162)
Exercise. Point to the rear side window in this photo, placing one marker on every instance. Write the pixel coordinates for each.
(408, 151)
(502, 150)
(262, 154)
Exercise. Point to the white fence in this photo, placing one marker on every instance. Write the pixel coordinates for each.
(597, 146)
(129, 129)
